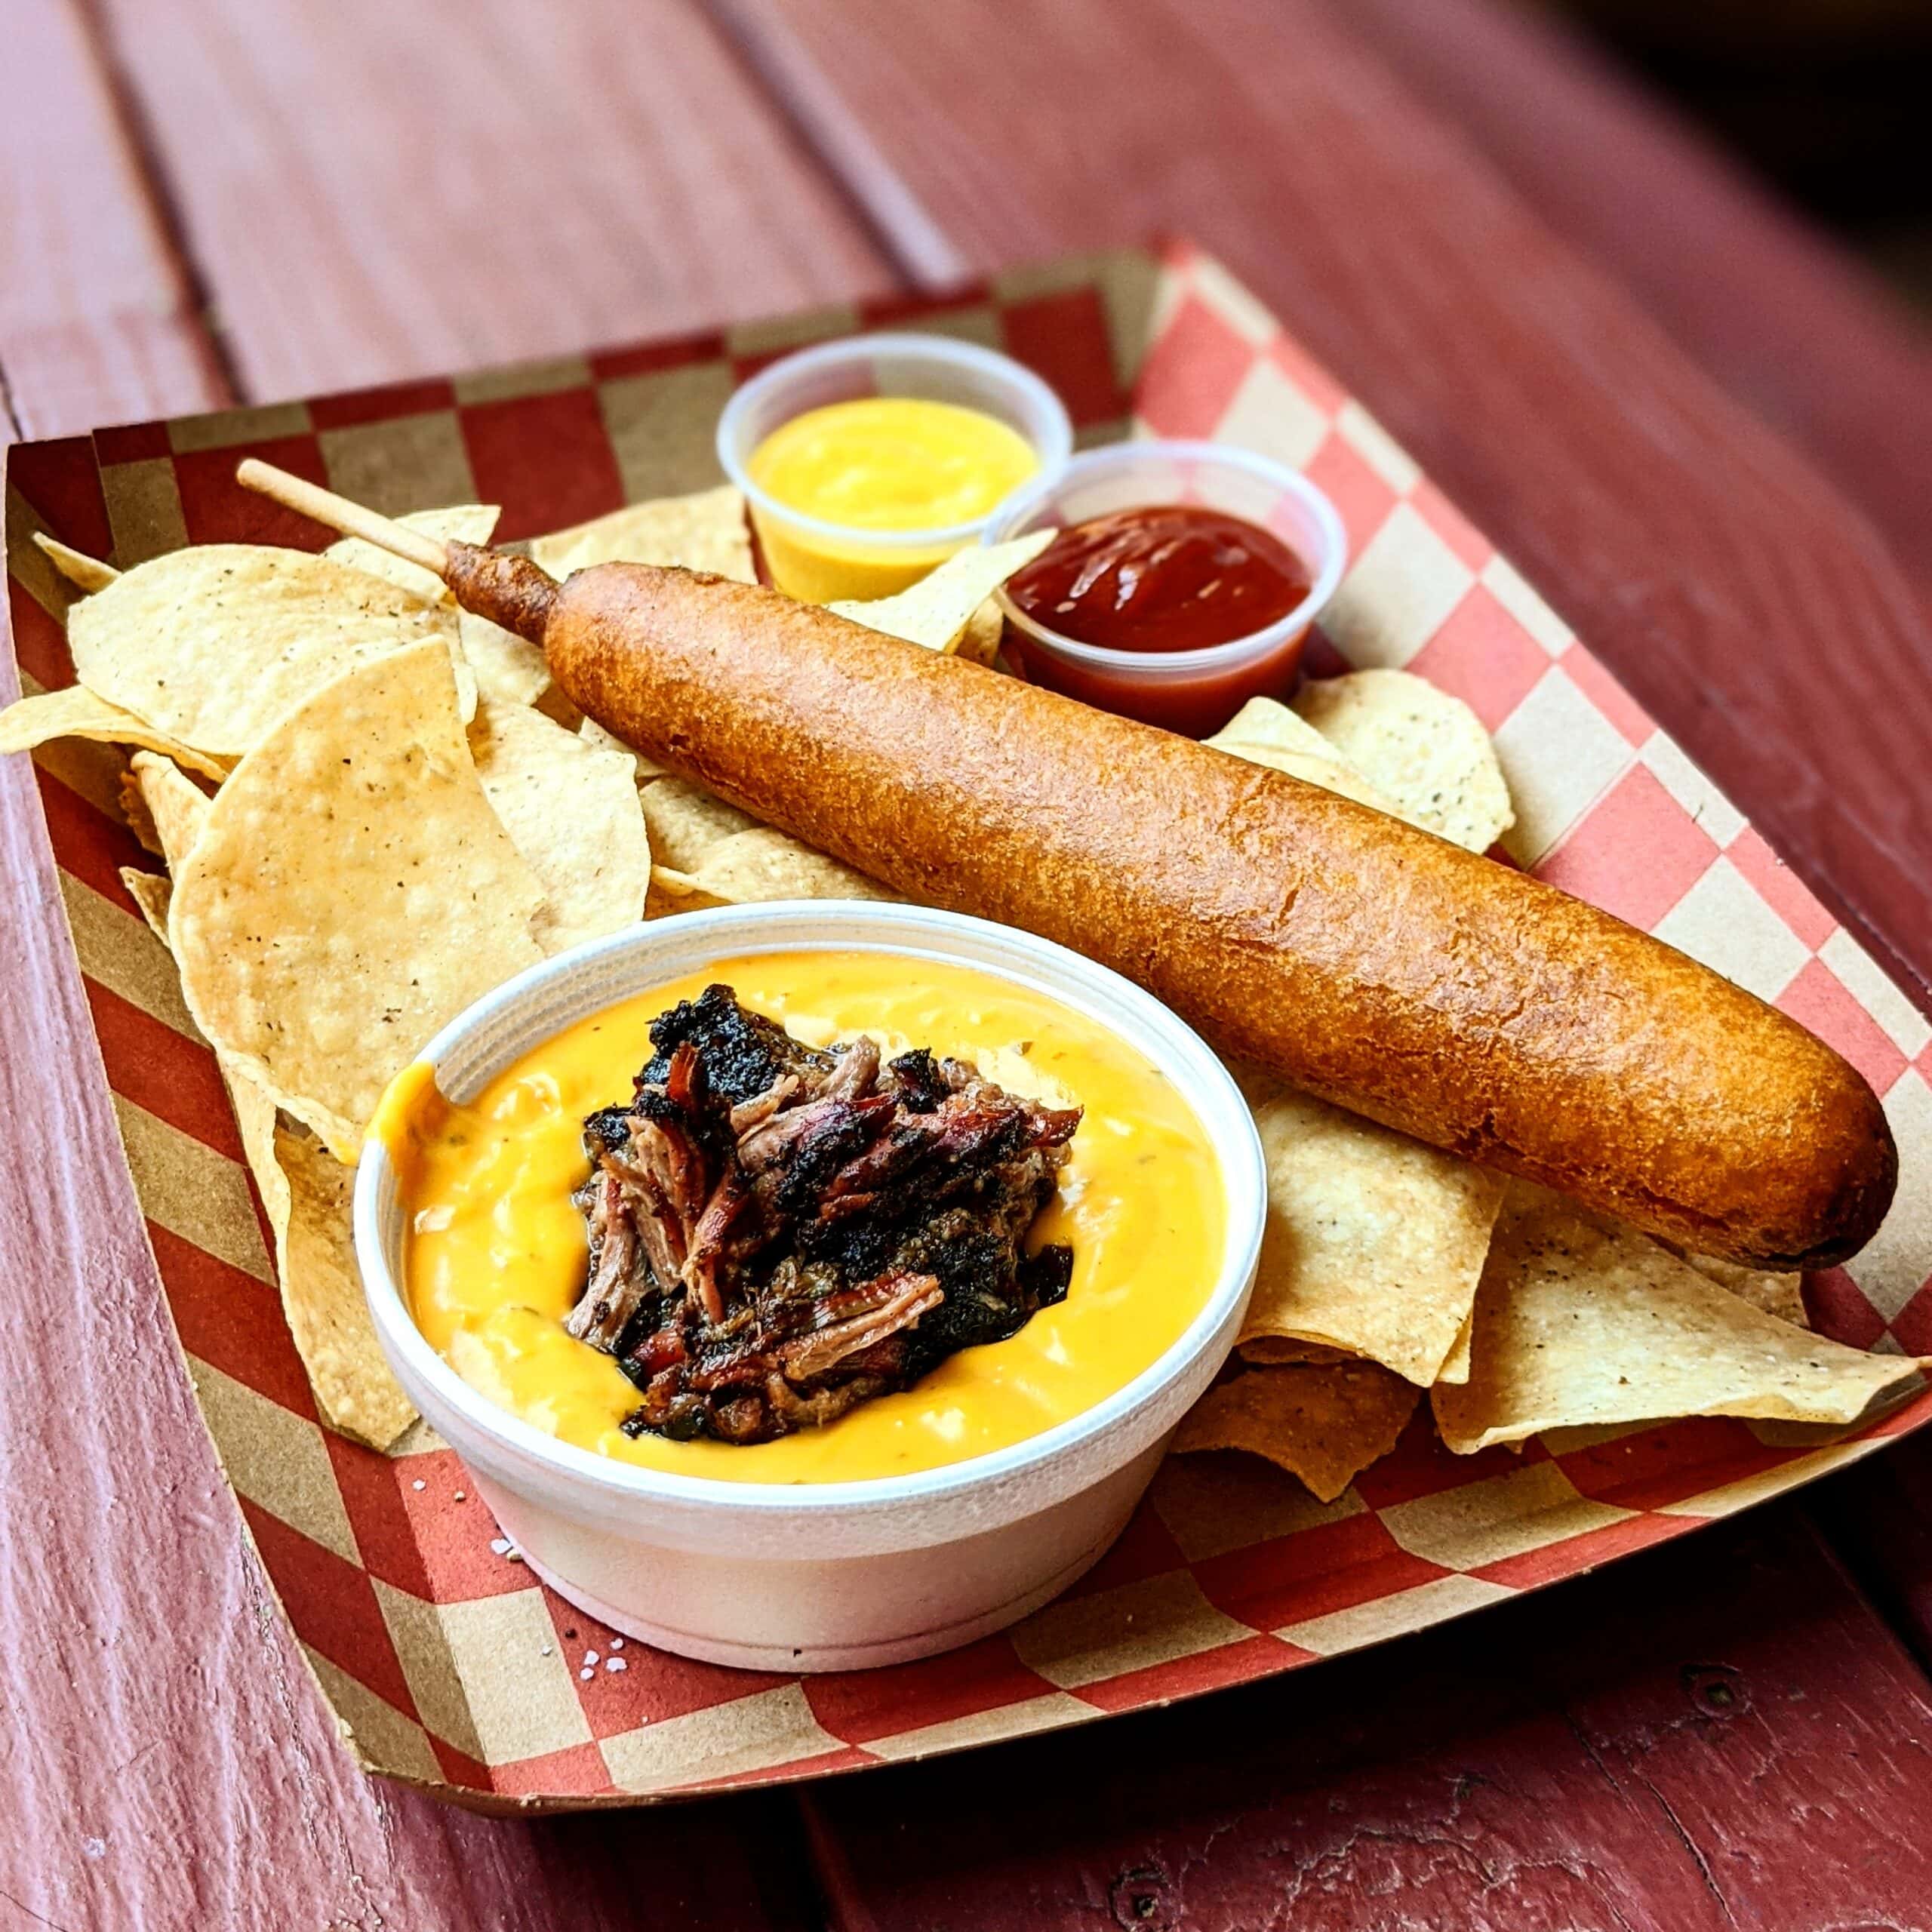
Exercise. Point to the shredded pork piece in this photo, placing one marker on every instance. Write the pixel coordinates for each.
(778, 1235)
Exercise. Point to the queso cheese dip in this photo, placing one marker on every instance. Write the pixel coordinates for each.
(495, 1256)
(879, 464)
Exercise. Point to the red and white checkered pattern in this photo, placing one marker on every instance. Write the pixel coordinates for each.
(448, 1665)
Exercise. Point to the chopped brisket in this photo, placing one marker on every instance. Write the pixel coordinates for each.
(777, 1234)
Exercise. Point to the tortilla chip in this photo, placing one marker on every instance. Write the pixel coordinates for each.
(1324, 1423)
(1374, 1244)
(1278, 1351)
(1266, 732)
(1580, 1323)
(176, 807)
(75, 713)
(461, 523)
(573, 813)
(256, 1125)
(83, 572)
(704, 531)
(664, 902)
(500, 664)
(686, 822)
(321, 1295)
(1421, 748)
(150, 892)
(350, 893)
(642, 769)
(936, 611)
(766, 864)
(1332, 774)
(508, 668)
(134, 810)
(1265, 724)
(979, 642)
(306, 1197)
(558, 709)
(215, 643)
(1781, 1295)
(594, 735)
(254, 1110)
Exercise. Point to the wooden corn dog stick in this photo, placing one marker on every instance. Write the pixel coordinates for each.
(510, 591)
(353, 519)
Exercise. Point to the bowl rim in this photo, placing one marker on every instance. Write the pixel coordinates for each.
(1153, 1029)
(1011, 519)
(910, 344)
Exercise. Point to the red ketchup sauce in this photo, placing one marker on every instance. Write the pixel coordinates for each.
(1164, 579)
(1172, 576)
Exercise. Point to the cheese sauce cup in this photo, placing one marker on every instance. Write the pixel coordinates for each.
(805, 1575)
(818, 558)
(1195, 692)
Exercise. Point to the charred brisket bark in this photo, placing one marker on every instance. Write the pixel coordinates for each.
(778, 1234)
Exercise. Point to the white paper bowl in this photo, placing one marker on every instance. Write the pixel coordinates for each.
(818, 1575)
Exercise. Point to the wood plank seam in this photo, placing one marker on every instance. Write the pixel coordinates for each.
(1845, 1535)
(163, 200)
(350, 240)
(95, 322)
(895, 219)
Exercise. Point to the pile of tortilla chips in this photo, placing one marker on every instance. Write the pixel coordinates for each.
(1389, 1269)
(373, 807)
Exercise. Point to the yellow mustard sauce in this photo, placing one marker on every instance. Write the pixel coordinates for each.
(884, 463)
(496, 1252)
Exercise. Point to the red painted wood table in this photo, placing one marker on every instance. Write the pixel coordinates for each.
(1695, 426)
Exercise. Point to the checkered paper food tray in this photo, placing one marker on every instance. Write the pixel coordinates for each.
(445, 1661)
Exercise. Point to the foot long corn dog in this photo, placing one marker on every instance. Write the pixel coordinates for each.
(1368, 962)
(1371, 963)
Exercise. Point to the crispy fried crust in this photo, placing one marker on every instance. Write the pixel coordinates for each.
(1370, 963)
(510, 591)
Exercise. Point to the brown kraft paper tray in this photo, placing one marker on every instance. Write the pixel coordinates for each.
(446, 1663)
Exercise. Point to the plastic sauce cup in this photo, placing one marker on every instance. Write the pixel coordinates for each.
(1192, 691)
(811, 559)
